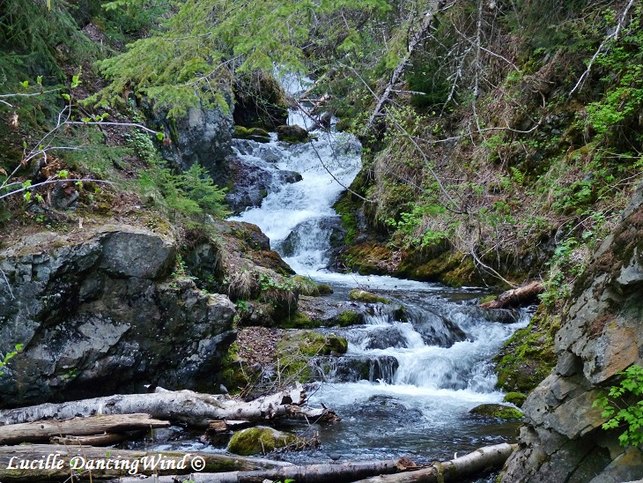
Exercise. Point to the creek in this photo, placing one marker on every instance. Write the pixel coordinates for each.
(410, 377)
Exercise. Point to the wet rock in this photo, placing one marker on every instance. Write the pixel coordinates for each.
(497, 411)
(358, 295)
(251, 182)
(259, 101)
(99, 313)
(355, 368)
(328, 230)
(260, 440)
(251, 133)
(292, 134)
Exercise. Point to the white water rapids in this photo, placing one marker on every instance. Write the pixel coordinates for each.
(443, 347)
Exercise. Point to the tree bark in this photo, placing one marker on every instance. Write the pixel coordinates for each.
(93, 425)
(321, 473)
(188, 407)
(524, 295)
(57, 463)
(483, 459)
(414, 42)
(106, 439)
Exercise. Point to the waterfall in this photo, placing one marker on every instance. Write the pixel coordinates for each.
(432, 366)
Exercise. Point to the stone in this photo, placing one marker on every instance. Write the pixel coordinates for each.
(497, 411)
(260, 440)
(101, 314)
(292, 134)
(359, 295)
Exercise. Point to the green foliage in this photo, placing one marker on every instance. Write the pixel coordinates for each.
(622, 65)
(190, 59)
(623, 406)
(10, 355)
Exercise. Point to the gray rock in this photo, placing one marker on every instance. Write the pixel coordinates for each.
(101, 315)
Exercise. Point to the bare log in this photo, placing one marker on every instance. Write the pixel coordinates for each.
(93, 425)
(321, 473)
(523, 295)
(105, 439)
(42, 462)
(188, 407)
(414, 42)
(483, 459)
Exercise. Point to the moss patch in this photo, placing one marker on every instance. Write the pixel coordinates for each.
(307, 286)
(528, 356)
(497, 411)
(517, 398)
(253, 133)
(348, 317)
(259, 440)
(358, 295)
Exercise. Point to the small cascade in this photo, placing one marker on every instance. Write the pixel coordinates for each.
(429, 359)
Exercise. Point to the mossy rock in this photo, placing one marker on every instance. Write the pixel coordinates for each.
(349, 317)
(260, 440)
(299, 320)
(516, 398)
(528, 356)
(292, 134)
(307, 286)
(359, 295)
(498, 411)
(252, 133)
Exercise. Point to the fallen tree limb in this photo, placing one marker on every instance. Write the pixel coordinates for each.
(188, 407)
(523, 295)
(42, 462)
(322, 473)
(106, 439)
(483, 459)
(93, 425)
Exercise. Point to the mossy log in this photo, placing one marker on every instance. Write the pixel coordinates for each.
(43, 462)
(92, 425)
(189, 407)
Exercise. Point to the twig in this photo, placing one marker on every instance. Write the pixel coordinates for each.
(53, 181)
(613, 35)
(6, 281)
(107, 123)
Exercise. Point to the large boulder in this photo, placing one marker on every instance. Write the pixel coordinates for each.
(203, 136)
(102, 312)
(600, 336)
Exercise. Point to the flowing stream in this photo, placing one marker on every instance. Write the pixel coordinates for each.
(410, 376)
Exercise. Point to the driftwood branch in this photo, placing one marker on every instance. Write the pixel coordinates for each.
(93, 425)
(56, 463)
(188, 407)
(523, 295)
(483, 459)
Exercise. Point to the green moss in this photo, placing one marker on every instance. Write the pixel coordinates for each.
(528, 356)
(517, 398)
(253, 133)
(346, 210)
(233, 375)
(298, 320)
(498, 411)
(348, 317)
(259, 440)
(307, 286)
(363, 296)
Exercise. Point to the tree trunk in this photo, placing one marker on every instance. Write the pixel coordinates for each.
(57, 463)
(93, 425)
(106, 439)
(481, 460)
(189, 407)
(414, 42)
(524, 295)
(330, 473)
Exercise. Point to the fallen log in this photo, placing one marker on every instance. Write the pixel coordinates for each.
(92, 425)
(106, 439)
(42, 462)
(517, 297)
(479, 461)
(192, 408)
(320, 473)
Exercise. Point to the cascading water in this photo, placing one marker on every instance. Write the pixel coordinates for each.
(410, 376)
